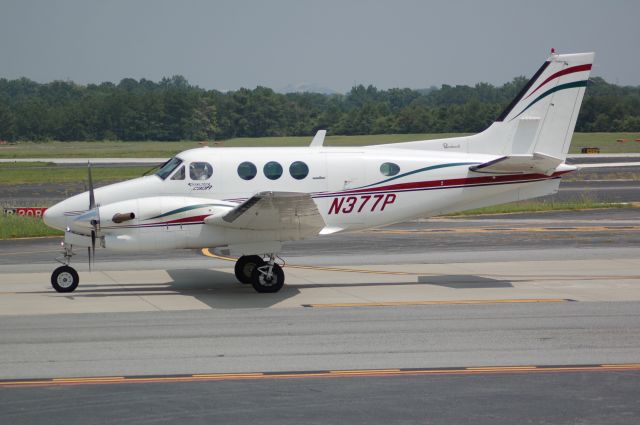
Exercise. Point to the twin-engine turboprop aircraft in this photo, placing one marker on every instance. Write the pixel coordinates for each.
(251, 200)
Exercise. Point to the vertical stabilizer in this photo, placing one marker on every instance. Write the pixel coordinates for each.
(540, 119)
(543, 116)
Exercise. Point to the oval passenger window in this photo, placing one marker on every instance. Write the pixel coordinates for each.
(247, 170)
(298, 170)
(389, 169)
(272, 170)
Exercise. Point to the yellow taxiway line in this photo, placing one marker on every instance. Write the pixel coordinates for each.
(503, 230)
(443, 302)
(477, 370)
(207, 252)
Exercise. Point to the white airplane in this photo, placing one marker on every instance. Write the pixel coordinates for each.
(251, 200)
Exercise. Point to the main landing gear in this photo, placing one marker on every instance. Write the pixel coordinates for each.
(65, 278)
(264, 275)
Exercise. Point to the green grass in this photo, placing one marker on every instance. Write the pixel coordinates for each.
(14, 226)
(607, 142)
(42, 172)
(152, 149)
(149, 149)
(542, 206)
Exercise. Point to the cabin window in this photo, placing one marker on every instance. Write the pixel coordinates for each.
(178, 175)
(298, 170)
(200, 170)
(272, 170)
(168, 167)
(247, 170)
(389, 169)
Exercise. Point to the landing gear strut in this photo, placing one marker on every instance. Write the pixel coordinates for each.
(65, 278)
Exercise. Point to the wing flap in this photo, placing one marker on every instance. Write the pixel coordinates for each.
(523, 164)
(276, 211)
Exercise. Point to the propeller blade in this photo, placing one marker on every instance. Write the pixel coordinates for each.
(92, 199)
(89, 255)
(92, 256)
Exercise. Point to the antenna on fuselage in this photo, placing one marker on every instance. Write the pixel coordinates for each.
(318, 139)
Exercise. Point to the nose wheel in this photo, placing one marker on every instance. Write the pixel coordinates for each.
(65, 279)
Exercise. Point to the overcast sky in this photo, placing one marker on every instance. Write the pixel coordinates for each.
(332, 43)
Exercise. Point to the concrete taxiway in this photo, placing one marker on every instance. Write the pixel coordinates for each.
(151, 337)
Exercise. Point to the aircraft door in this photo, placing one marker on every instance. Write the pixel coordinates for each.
(317, 178)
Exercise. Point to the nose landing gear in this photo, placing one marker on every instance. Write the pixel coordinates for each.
(65, 278)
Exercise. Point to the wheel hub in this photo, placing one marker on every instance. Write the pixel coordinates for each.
(65, 279)
(268, 281)
(248, 269)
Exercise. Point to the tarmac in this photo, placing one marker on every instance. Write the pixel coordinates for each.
(483, 320)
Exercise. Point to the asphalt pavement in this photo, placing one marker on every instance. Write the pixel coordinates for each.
(481, 320)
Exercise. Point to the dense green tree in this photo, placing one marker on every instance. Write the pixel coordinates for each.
(172, 109)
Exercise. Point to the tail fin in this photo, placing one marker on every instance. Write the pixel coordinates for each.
(540, 119)
(543, 116)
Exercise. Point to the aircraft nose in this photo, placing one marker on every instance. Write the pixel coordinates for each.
(54, 217)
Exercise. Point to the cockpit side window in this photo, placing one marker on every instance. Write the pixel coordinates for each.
(168, 168)
(178, 175)
(200, 170)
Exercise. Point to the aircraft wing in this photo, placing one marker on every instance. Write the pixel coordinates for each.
(288, 211)
(510, 164)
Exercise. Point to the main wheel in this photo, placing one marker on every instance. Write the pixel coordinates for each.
(245, 266)
(65, 279)
(262, 284)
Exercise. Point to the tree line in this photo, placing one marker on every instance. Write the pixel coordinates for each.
(173, 109)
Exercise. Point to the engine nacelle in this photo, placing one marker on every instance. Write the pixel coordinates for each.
(154, 223)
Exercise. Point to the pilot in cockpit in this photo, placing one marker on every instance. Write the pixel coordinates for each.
(200, 171)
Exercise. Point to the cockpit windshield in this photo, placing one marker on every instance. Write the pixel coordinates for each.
(168, 168)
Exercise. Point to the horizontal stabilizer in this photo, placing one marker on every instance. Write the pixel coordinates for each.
(286, 211)
(520, 164)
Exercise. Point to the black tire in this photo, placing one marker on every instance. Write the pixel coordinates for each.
(262, 285)
(245, 266)
(65, 279)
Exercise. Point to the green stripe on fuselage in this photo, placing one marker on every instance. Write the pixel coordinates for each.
(183, 209)
(432, 167)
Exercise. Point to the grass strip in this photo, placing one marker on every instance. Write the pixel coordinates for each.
(607, 142)
(15, 226)
(542, 206)
(39, 172)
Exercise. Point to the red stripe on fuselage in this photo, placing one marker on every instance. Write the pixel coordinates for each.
(447, 183)
(184, 220)
(571, 70)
